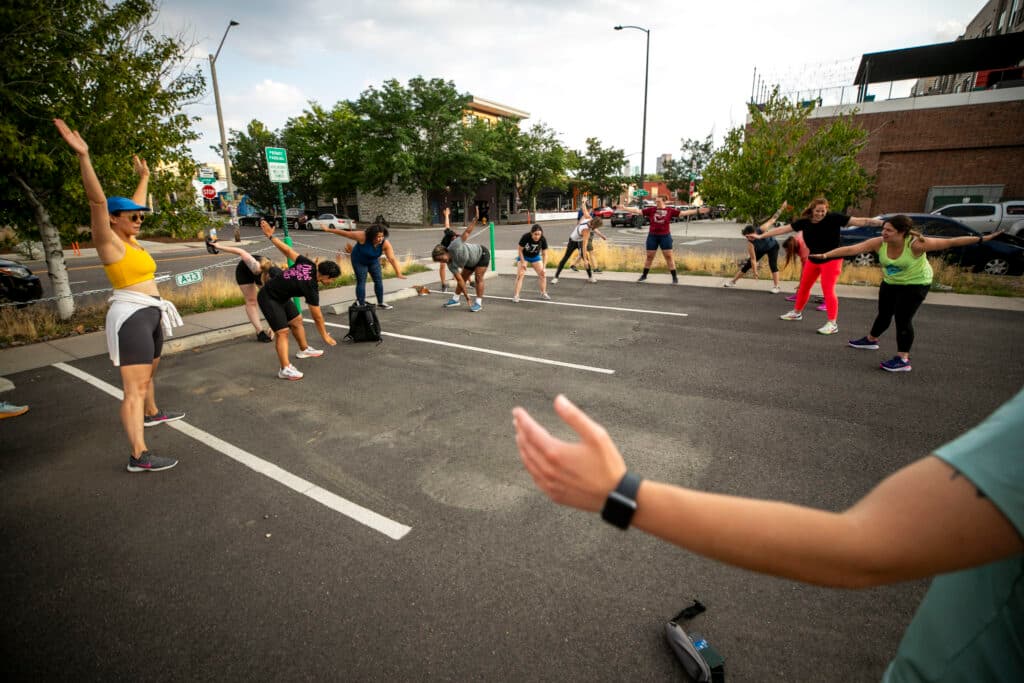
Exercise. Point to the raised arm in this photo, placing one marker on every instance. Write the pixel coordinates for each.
(288, 252)
(922, 520)
(585, 209)
(142, 189)
(469, 228)
(357, 236)
(872, 244)
(767, 225)
(859, 222)
(924, 244)
(447, 213)
(102, 234)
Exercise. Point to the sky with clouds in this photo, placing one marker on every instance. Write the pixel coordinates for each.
(559, 60)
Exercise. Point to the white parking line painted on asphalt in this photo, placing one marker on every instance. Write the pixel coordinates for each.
(566, 303)
(388, 527)
(478, 349)
(690, 244)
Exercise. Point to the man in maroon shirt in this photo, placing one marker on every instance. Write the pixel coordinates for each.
(660, 235)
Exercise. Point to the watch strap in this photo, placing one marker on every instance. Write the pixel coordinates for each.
(621, 503)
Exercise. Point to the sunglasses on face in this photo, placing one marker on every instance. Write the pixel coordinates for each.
(133, 217)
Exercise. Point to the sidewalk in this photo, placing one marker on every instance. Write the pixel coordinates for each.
(230, 323)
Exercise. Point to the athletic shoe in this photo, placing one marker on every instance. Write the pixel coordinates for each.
(729, 283)
(896, 364)
(476, 308)
(675, 281)
(161, 417)
(830, 327)
(545, 296)
(775, 290)
(385, 307)
(515, 299)
(593, 279)
(821, 307)
(554, 280)
(263, 337)
(574, 269)
(289, 372)
(453, 302)
(792, 315)
(598, 270)
(210, 249)
(818, 299)
(11, 410)
(862, 343)
(642, 278)
(791, 297)
(147, 462)
(309, 352)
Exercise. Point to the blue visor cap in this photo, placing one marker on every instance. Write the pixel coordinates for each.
(116, 204)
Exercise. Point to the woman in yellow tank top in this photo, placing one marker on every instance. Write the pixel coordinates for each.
(137, 316)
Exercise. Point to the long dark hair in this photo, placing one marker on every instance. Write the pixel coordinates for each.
(373, 231)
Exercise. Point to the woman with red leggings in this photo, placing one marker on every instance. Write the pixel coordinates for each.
(820, 228)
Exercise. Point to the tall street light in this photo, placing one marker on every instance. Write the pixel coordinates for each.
(643, 140)
(220, 116)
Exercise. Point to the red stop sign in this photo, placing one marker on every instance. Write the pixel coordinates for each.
(209, 191)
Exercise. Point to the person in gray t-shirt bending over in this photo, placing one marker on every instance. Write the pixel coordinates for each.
(465, 259)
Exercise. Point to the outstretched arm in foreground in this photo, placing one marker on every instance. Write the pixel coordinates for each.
(922, 520)
(288, 252)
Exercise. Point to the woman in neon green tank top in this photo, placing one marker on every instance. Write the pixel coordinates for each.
(906, 278)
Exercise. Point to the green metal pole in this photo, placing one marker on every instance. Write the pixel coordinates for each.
(494, 266)
(287, 236)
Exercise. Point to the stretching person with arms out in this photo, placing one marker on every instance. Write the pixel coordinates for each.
(957, 515)
(370, 245)
(137, 318)
(659, 235)
(465, 259)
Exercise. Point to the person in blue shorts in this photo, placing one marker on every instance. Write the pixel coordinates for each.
(660, 234)
(533, 249)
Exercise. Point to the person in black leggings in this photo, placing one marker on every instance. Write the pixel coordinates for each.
(577, 239)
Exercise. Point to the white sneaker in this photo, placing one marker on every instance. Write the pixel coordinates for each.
(593, 279)
(515, 299)
(289, 373)
(309, 352)
(554, 280)
(792, 315)
(545, 296)
(831, 327)
(775, 290)
(729, 283)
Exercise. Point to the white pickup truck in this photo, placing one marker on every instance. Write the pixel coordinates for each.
(987, 217)
(329, 220)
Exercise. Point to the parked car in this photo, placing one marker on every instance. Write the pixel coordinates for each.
(17, 283)
(627, 219)
(986, 217)
(252, 220)
(1002, 256)
(603, 212)
(329, 220)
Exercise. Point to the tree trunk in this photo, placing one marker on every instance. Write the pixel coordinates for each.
(52, 251)
(425, 208)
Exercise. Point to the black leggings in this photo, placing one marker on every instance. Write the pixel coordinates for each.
(569, 249)
(901, 301)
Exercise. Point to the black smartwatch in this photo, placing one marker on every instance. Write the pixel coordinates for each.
(621, 503)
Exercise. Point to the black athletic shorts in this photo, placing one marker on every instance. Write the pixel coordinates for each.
(485, 260)
(276, 312)
(244, 276)
(140, 339)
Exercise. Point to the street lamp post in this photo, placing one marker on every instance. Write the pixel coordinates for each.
(220, 115)
(643, 139)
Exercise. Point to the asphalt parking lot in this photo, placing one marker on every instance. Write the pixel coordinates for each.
(373, 522)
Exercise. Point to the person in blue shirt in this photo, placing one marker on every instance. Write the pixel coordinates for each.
(956, 514)
(370, 245)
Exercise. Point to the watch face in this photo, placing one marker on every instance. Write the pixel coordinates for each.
(618, 509)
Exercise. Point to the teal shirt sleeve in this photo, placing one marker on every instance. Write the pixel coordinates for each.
(992, 456)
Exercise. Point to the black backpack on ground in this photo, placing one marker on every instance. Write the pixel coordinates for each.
(363, 324)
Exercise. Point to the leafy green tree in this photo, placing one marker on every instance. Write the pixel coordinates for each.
(538, 161)
(694, 156)
(475, 163)
(337, 161)
(599, 170)
(776, 157)
(305, 158)
(412, 137)
(249, 165)
(100, 68)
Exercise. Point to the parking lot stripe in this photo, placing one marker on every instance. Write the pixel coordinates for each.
(569, 303)
(358, 513)
(493, 352)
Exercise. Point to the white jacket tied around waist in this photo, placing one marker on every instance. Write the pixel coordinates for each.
(124, 303)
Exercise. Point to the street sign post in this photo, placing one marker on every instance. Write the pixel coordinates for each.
(640, 193)
(277, 164)
(209, 192)
(189, 278)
